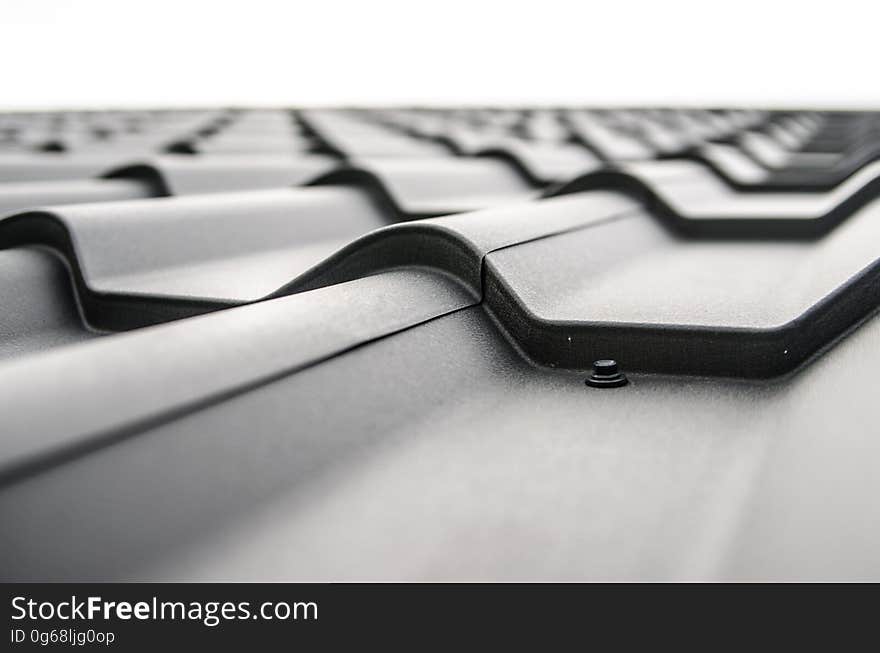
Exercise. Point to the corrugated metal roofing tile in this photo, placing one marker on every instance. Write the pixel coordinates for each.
(37, 308)
(210, 250)
(421, 187)
(631, 290)
(688, 242)
(195, 361)
(220, 173)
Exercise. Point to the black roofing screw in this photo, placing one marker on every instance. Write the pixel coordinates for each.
(606, 375)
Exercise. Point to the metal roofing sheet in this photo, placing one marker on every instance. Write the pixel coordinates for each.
(356, 342)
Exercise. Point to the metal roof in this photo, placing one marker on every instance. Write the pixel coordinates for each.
(352, 344)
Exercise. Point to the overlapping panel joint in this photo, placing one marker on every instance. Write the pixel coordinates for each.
(712, 242)
(264, 296)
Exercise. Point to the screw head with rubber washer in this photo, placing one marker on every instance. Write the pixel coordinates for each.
(606, 374)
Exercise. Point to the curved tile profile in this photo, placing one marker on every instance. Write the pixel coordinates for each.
(695, 203)
(731, 165)
(140, 137)
(458, 244)
(565, 315)
(736, 169)
(543, 164)
(431, 186)
(540, 163)
(96, 174)
(138, 263)
(826, 178)
(374, 361)
(37, 308)
(154, 260)
(775, 155)
(604, 142)
(611, 291)
(348, 137)
(225, 352)
(194, 362)
(181, 175)
(656, 302)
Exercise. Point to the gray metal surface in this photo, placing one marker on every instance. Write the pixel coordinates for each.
(324, 375)
(437, 453)
(632, 270)
(225, 246)
(39, 306)
(195, 361)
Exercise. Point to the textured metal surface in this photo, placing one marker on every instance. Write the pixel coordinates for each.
(39, 309)
(183, 247)
(438, 453)
(198, 360)
(356, 344)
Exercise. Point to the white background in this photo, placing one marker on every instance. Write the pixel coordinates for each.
(65, 53)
